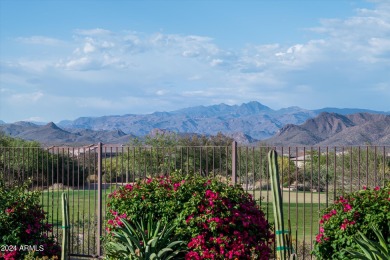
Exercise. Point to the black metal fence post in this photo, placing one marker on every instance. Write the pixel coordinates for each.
(99, 202)
(234, 162)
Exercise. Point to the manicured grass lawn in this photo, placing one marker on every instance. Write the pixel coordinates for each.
(301, 208)
(293, 196)
(82, 204)
(303, 218)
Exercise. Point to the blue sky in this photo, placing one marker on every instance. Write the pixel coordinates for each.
(67, 59)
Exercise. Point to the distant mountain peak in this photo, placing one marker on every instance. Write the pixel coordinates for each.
(119, 132)
(242, 138)
(348, 111)
(253, 107)
(24, 123)
(327, 124)
(287, 128)
(52, 126)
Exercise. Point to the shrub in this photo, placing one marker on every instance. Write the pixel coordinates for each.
(354, 212)
(217, 221)
(369, 249)
(144, 239)
(21, 224)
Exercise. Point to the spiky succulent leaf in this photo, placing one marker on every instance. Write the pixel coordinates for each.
(144, 239)
(369, 249)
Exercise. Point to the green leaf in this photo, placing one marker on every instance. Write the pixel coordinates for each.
(370, 249)
(128, 240)
(366, 249)
(384, 246)
(163, 251)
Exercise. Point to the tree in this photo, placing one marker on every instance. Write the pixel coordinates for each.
(165, 152)
(21, 160)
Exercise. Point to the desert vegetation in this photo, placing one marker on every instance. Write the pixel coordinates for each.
(312, 178)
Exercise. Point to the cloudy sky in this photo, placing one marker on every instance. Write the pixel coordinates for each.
(67, 59)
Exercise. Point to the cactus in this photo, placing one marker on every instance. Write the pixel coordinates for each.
(65, 226)
(282, 237)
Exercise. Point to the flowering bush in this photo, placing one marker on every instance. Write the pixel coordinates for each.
(21, 224)
(352, 213)
(216, 220)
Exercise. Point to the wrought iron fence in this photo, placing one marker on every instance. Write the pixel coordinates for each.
(312, 177)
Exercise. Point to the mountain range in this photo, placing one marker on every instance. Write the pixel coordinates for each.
(331, 129)
(247, 123)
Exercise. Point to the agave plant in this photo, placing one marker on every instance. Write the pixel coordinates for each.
(369, 249)
(144, 240)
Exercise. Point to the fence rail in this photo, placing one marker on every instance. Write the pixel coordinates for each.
(312, 177)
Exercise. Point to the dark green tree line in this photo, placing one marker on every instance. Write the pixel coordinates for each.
(21, 160)
(164, 153)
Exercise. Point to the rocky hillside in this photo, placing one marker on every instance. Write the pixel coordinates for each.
(51, 134)
(328, 129)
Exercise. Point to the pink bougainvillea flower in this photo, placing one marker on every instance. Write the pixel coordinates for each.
(9, 211)
(192, 256)
(189, 218)
(343, 226)
(11, 255)
(128, 187)
(176, 186)
(113, 212)
(347, 207)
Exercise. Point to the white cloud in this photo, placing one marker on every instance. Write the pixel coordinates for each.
(161, 92)
(198, 93)
(93, 32)
(216, 62)
(34, 119)
(148, 72)
(34, 65)
(88, 47)
(33, 97)
(40, 40)
(83, 63)
(362, 37)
